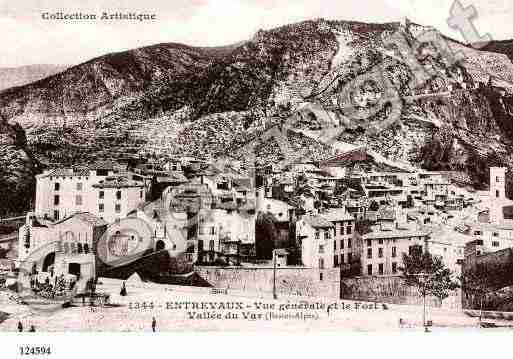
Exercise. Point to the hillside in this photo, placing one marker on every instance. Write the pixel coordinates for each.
(210, 101)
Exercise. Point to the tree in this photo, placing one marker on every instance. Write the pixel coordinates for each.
(482, 277)
(266, 235)
(428, 274)
(476, 282)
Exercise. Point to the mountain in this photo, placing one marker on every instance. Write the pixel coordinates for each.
(22, 75)
(212, 101)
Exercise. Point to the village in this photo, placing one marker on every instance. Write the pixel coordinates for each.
(336, 228)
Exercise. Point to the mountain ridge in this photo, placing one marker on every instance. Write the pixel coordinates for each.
(176, 98)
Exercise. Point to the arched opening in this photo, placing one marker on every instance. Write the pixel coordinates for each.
(160, 245)
(48, 261)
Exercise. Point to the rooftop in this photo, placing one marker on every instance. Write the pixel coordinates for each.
(337, 214)
(86, 217)
(394, 234)
(317, 221)
(118, 182)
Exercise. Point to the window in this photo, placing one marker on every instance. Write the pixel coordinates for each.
(369, 269)
(477, 233)
(101, 207)
(349, 243)
(349, 257)
(497, 193)
(56, 200)
(321, 263)
(212, 230)
(394, 252)
(211, 244)
(342, 258)
(321, 248)
(335, 260)
(349, 230)
(56, 215)
(341, 244)
(117, 208)
(140, 194)
(317, 234)
(495, 234)
(101, 194)
(334, 246)
(327, 234)
(369, 243)
(86, 248)
(369, 253)
(380, 269)
(342, 230)
(118, 195)
(57, 186)
(79, 186)
(380, 241)
(497, 179)
(78, 200)
(394, 267)
(495, 244)
(380, 252)
(66, 247)
(79, 248)
(320, 276)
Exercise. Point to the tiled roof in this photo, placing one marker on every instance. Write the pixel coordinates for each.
(172, 177)
(118, 182)
(317, 221)
(86, 217)
(386, 212)
(103, 165)
(68, 172)
(337, 214)
(394, 234)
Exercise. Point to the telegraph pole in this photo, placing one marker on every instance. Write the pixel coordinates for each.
(274, 274)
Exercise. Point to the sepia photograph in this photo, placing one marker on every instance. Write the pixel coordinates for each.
(255, 166)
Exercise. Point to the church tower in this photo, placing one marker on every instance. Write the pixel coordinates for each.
(497, 193)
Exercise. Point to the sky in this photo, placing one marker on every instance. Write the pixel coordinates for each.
(29, 39)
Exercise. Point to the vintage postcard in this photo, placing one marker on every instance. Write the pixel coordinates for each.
(256, 165)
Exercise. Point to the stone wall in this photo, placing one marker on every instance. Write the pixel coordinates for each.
(300, 281)
(392, 289)
(290, 281)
